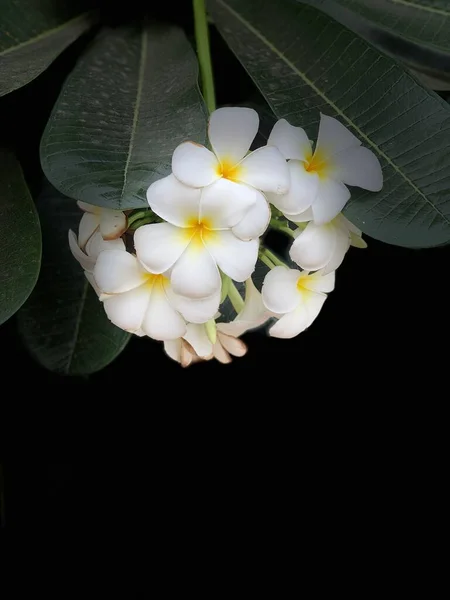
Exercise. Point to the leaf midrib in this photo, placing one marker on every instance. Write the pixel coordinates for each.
(437, 11)
(44, 35)
(291, 65)
(137, 107)
(76, 330)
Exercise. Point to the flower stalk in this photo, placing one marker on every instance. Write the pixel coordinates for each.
(235, 297)
(204, 53)
(273, 258)
(275, 224)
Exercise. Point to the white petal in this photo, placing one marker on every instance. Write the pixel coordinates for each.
(232, 131)
(195, 310)
(97, 244)
(356, 241)
(232, 344)
(225, 203)
(318, 281)
(221, 354)
(161, 320)
(195, 273)
(187, 354)
(313, 304)
(197, 337)
(117, 272)
(90, 277)
(254, 306)
(85, 261)
(173, 349)
(235, 258)
(331, 198)
(159, 245)
(344, 223)
(333, 137)
(256, 221)
(291, 141)
(88, 224)
(113, 223)
(252, 315)
(299, 319)
(173, 201)
(195, 165)
(302, 191)
(127, 310)
(266, 170)
(85, 207)
(303, 217)
(340, 250)
(360, 167)
(314, 247)
(279, 292)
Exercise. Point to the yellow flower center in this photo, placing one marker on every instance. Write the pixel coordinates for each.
(228, 170)
(301, 283)
(317, 163)
(152, 280)
(199, 231)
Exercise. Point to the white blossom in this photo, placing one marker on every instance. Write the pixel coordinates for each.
(318, 178)
(324, 246)
(296, 297)
(229, 172)
(196, 239)
(110, 223)
(144, 303)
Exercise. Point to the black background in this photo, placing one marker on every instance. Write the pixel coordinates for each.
(383, 328)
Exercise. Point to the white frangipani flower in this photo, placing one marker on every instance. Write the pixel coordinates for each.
(324, 246)
(317, 179)
(92, 249)
(111, 223)
(143, 302)
(296, 297)
(88, 257)
(196, 344)
(196, 240)
(228, 172)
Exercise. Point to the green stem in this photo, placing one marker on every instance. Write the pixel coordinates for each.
(283, 228)
(204, 54)
(263, 258)
(143, 221)
(235, 297)
(272, 257)
(139, 214)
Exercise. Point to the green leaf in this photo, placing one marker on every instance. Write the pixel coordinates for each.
(63, 323)
(129, 102)
(20, 238)
(408, 31)
(425, 22)
(305, 63)
(32, 34)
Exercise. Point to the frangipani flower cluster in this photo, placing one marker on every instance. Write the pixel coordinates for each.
(168, 279)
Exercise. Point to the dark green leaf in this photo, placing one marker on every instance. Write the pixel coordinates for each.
(20, 238)
(405, 30)
(33, 33)
(129, 102)
(426, 22)
(305, 63)
(63, 323)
